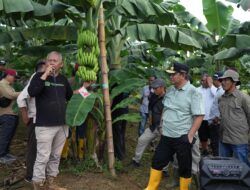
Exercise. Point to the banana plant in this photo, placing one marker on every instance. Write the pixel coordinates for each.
(244, 4)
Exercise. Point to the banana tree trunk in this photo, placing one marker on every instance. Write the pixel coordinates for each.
(105, 87)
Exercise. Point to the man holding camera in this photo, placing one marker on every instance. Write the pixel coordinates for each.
(51, 91)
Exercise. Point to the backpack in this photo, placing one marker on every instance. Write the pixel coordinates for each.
(4, 102)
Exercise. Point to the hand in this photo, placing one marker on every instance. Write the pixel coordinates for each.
(190, 138)
(25, 117)
(50, 70)
(209, 81)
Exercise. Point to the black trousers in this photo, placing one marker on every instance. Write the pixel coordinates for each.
(119, 129)
(166, 149)
(214, 138)
(31, 149)
(203, 131)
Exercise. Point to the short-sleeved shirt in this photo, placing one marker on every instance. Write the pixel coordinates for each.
(180, 107)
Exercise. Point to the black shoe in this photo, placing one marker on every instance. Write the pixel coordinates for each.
(136, 164)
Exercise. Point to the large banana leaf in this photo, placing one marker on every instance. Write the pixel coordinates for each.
(165, 36)
(141, 11)
(234, 24)
(126, 102)
(218, 16)
(131, 117)
(42, 51)
(236, 40)
(10, 6)
(78, 109)
(127, 86)
(231, 54)
(64, 33)
(244, 28)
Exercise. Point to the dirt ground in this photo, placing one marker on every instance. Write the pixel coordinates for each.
(128, 177)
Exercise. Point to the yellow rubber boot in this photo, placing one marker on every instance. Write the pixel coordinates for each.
(81, 144)
(185, 183)
(154, 179)
(65, 151)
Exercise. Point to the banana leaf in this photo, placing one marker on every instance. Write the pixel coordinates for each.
(165, 36)
(218, 16)
(236, 40)
(124, 103)
(78, 109)
(131, 117)
(127, 86)
(231, 54)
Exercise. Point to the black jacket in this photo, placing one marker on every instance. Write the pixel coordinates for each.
(51, 96)
(155, 108)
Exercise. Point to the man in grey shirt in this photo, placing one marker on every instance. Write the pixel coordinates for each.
(234, 107)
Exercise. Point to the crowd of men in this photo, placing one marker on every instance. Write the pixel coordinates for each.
(186, 120)
(216, 112)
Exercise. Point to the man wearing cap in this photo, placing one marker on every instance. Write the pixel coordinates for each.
(234, 107)
(182, 115)
(8, 119)
(155, 107)
(214, 115)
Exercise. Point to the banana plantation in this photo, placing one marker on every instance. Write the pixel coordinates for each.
(118, 44)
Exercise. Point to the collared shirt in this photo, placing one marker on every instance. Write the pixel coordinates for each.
(145, 95)
(24, 100)
(180, 107)
(235, 117)
(208, 95)
(6, 90)
(214, 111)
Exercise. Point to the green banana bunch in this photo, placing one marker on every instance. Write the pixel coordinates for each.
(86, 38)
(96, 50)
(88, 54)
(85, 74)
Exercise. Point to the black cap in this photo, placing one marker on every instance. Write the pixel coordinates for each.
(217, 75)
(178, 68)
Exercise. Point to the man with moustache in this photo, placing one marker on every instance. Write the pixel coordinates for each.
(182, 115)
(234, 107)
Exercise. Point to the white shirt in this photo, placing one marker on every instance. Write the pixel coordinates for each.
(145, 101)
(208, 95)
(214, 111)
(24, 100)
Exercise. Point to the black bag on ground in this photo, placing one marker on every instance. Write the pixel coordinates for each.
(4, 102)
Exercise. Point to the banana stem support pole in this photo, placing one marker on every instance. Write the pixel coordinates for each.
(105, 88)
